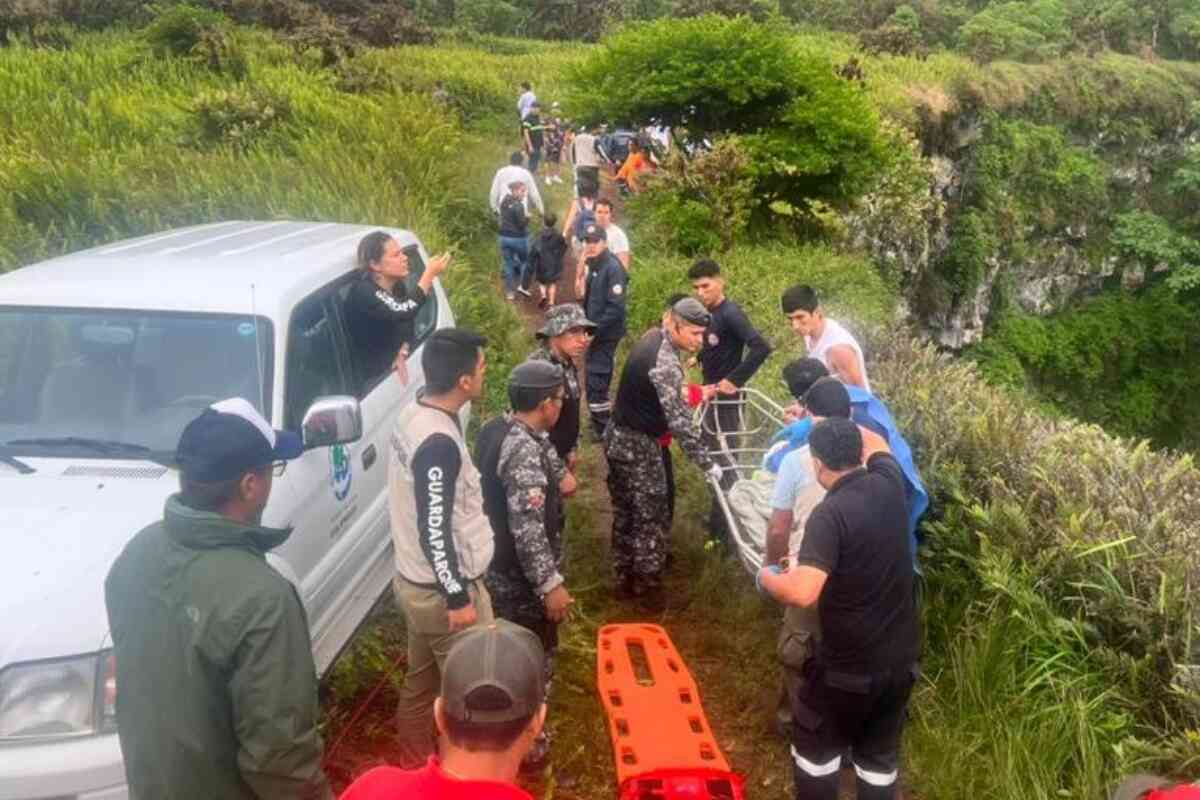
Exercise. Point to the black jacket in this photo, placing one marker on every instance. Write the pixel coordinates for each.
(605, 296)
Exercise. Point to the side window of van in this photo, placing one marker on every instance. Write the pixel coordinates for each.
(427, 319)
(314, 365)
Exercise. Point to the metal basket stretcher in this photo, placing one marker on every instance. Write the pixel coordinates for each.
(737, 432)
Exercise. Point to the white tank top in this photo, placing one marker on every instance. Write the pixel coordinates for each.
(834, 335)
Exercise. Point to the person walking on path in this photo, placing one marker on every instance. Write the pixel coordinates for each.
(443, 540)
(602, 283)
(525, 101)
(514, 172)
(824, 338)
(586, 157)
(489, 712)
(733, 351)
(854, 566)
(618, 242)
(216, 685)
(555, 138)
(545, 263)
(580, 214)
(514, 238)
(524, 485)
(649, 412)
(563, 340)
(533, 132)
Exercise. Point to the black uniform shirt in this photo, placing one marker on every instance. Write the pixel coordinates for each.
(858, 535)
(729, 334)
(381, 321)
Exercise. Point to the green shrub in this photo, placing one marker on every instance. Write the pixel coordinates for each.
(238, 117)
(1060, 576)
(180, 29)
(810, 135)
(327, 41)
(701, 204)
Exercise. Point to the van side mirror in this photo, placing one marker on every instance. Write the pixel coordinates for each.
(330, 420)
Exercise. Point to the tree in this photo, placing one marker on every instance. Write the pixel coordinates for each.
(811, 136)
(758, 10)
(1016, 30)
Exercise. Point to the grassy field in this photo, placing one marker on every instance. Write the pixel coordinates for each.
(1059, 622)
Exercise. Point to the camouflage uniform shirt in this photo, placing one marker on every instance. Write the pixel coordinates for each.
(565, 433)
(530, 471)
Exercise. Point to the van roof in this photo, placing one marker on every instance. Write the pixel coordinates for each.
(205, 268)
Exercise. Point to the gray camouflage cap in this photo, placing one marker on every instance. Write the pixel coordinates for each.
(535, 374)
(562, 318)
(689, 309)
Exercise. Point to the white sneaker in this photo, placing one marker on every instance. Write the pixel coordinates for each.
(557, 179)
(548, 181)
(509, 296)
(524, 291)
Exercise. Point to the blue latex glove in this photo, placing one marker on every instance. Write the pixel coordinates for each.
(774, 569)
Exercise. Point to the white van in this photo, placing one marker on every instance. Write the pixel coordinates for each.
(105, 356)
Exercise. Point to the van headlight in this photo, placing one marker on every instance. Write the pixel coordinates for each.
(58, 699)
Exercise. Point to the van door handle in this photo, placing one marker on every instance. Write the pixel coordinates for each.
(368, 457)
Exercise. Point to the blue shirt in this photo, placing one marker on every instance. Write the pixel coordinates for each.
(795, 475)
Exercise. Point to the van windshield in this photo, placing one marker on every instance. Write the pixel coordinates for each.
(121, 384)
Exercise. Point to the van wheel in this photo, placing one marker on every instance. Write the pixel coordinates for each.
(1135, 787)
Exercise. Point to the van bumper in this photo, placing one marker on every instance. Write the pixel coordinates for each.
(88, 768)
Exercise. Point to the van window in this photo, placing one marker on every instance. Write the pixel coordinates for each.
(124, 377)
(314, 365)
(427, 318)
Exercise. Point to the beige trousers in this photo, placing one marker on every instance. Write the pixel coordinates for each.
(429, 641)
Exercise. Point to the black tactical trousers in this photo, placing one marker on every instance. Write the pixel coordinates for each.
(599, 367)
(833, 711)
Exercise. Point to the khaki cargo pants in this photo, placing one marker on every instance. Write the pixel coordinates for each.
(429, 641)
(797, 643)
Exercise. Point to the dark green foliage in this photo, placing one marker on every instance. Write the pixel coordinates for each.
(810, 135)
(179, 29)
(1124, 361)
(758, 10)
(708, 74)
(1023, 184)
(698, 205)
(1023, 31)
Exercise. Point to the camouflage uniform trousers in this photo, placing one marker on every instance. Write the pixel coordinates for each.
(638, 488)
(513, 599)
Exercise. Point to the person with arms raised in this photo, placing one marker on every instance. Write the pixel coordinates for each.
(381, 309)
(854, 567)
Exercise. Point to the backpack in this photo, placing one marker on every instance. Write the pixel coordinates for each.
(586, 216)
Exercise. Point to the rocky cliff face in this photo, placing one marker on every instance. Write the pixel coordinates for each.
(913, 235)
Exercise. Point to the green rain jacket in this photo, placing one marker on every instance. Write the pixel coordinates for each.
(216, 686)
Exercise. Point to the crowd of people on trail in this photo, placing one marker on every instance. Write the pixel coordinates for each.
(217, 690)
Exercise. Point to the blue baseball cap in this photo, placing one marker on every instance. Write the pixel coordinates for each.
(229, 439)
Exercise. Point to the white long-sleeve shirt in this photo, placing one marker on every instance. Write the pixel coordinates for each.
(510, 174)
(525, 102)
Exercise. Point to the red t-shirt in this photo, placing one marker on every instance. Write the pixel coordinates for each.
(427, 783)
